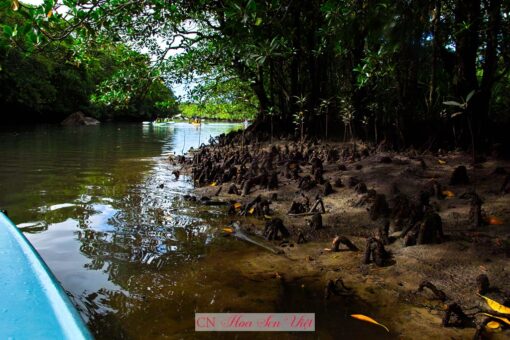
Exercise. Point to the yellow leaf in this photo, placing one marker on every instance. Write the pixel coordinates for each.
(237, 205)
(369, 319)
(213, 184)
(251, 210)
(440, 161)
(493, 325)
(496, 306)
(505, 320)
(267, 217)
(493, 220)
(448, 193)
(15, 5)
(228, 230)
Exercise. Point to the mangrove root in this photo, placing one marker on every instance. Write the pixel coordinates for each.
(275, 230)
(337, 241)
(439, 294)
(459, 176)
(375, 251)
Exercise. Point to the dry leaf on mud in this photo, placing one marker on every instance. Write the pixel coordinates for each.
(493, 220)
(505, 320)
(440, 161)
(448, 193)
(369, 319)
(228, 230)
(496, 306)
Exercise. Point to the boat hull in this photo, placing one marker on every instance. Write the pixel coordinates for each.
(33, 304)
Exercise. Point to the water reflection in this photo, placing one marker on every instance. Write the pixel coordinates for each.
(100, 205)
(102, 208)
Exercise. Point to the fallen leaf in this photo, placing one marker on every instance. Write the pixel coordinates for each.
(228, 230)
(369, 319)
(327, 249)
(448, 193)
(496, 306)
(493, 325)
(493, 220)
(251, 210)
(213, 184)
(237, 205)
(505, 320)
(440, 161)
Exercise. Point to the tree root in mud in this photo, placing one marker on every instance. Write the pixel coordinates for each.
(482, 284)
(232, 190)
(383, 233)
(328, 189)
(275, 230)
(374, 250)
(475, 212)
(316, 221)
(336, 287)
(301, 238)
(454, 311)
(439, 294)
(427, 231)
(459, 176)
(361, 188)
(379, 207)
(338, 240)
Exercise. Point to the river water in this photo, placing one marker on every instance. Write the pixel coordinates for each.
(100, 205)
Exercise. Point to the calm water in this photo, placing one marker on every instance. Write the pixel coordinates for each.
(102, 208)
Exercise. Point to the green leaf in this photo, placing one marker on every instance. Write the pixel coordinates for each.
(453, 103)
(469, 96)
(258, 21)
(8, 31)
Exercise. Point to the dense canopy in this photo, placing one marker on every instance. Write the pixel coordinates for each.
(408, 72)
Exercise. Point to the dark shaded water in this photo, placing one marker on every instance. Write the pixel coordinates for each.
(101, 207)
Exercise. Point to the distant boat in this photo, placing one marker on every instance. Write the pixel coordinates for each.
(33, 303)
(163, 122)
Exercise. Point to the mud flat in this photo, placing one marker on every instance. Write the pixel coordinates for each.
(416, 235)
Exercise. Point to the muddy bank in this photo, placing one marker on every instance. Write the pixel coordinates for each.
(350, 220)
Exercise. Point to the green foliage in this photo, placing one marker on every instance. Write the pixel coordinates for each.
(217, 111)
(48, 80)
(387, 66)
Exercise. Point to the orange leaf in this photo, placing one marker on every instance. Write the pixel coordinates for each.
(493, 325)
(496, 306)
(505, 320)
(440, 161)
(228, 230)
(369, 319)
(448, 193)
(493, 220)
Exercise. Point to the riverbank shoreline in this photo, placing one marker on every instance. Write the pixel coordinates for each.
(358, 174)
